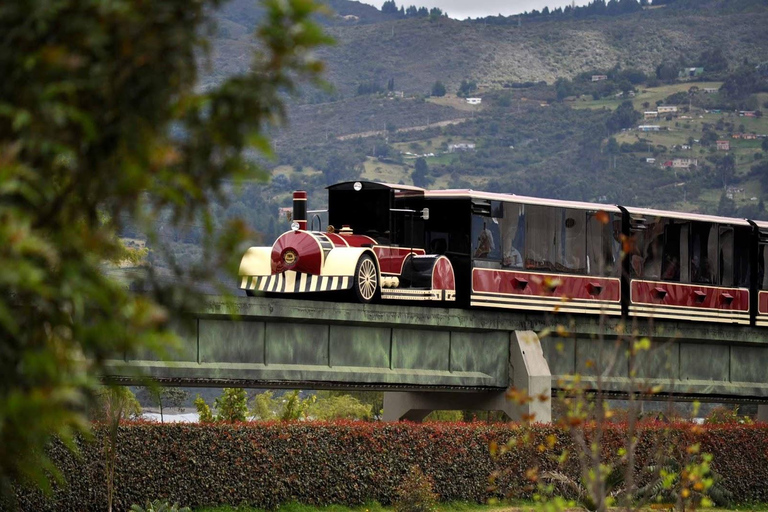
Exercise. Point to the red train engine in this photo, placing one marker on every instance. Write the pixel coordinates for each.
(371, 248)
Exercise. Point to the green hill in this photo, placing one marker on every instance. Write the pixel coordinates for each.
(416, 52)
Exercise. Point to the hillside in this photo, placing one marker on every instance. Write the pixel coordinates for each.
(416, 52)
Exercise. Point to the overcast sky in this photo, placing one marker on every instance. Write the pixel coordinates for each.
(461, 9)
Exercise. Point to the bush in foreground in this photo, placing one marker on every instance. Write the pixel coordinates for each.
(267, 464)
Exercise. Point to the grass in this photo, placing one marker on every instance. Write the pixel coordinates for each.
(372, 507)
(451, 100)
(650, 95)
(373, 169)
(514, 506)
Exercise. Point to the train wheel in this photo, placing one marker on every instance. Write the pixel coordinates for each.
(366, 279)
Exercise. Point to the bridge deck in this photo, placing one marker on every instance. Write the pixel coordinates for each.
(267, 342)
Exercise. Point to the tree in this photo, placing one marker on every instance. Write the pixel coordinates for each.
(741, 83)
(625, 116)
(764, 144)
(419, 175)
(667, 71)
(115, 403)
(435, 13)
(466, 88)
(726, 206)
(438, 89)
(203, 411)
(264, 406)
(339, 407)
(564, 88)
(613, 146)
(160, 396)
(86, 149)
(389, 7)
(232, 405)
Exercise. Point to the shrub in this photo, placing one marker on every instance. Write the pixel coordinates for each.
(203, 411)
(265, 464)
(232, 405)
(159, 506)
(415, 493)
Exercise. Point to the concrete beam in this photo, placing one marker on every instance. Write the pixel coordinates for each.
(530, 376)
(415, 406)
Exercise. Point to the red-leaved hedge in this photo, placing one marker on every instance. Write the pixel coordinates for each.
(266, 464)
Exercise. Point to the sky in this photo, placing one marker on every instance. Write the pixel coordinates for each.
(461, 9)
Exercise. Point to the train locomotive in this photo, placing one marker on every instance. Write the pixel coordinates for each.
(467, 248)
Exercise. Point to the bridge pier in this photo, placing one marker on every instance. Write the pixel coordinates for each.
(529, 374)
(762, 412)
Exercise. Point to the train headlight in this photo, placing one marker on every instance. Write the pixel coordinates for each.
(295, 226)
(357, 186)
(290, 257)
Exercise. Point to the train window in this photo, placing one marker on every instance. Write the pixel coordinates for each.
(555, 239)
(726, 256)
(645, 259)
(704, 251)
(603, 243)
(673, 239)
(762, 263)
(485, 237)
(366, 212)
(513, 235)
(540, 229)
(741, 256)
(571, 241)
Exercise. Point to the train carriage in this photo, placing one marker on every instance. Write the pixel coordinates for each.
(688, 266)
(760, 304)
(490, 250)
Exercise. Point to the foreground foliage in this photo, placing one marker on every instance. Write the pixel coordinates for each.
(101, 127)
(267, 464)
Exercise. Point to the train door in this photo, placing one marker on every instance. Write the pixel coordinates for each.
(447, 233)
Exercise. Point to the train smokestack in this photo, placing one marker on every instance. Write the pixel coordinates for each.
(300, 208)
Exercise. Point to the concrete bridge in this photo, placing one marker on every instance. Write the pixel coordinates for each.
(428, 358)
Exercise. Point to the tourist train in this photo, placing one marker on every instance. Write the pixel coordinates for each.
(465, 248)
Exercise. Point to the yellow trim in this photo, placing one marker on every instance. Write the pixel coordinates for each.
(406, 294)
(341, 261)
(256, 261)
(718, 319)
(704, 312)
(563, 309)
(554, 304)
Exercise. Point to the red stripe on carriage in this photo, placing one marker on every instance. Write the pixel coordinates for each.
(548, 285)
(689, 295)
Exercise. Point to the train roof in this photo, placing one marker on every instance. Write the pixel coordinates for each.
(494, 196)
(648, 212)
(375, 185)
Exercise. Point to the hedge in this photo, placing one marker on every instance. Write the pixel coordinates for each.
(266, 464)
